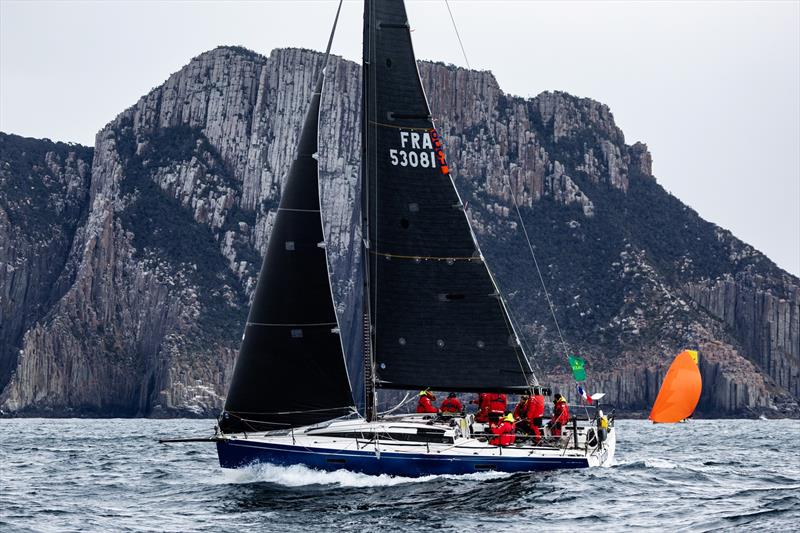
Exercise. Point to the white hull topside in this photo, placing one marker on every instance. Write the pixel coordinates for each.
(420, 436)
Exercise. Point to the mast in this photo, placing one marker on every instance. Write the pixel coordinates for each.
(366, 140)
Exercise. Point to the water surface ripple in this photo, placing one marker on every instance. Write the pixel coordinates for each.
(111, 475)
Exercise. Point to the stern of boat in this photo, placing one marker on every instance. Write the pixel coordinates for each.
(603, 454)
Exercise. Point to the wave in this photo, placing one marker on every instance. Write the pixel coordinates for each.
(646, 463)
(300, 476)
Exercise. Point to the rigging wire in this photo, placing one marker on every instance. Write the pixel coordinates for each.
(522, 223)
(544, 286)
(538, 270)
(516, 328)
(508, 318)
(519, 216)
(457, 34)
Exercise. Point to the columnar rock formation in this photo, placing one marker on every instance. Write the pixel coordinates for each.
(125, 286)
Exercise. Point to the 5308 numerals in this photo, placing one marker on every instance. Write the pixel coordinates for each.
(405, 158)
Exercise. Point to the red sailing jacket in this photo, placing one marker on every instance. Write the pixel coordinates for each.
(483, 407)
(522, 409)
(424, 405)
(497, 402)
(505, 434)
(535, 407)
(451, 405)
(560, 414)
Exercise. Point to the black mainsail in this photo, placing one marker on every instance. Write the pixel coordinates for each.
(291, 370)
(436, 317)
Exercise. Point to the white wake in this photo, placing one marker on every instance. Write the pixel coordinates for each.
(299, 476)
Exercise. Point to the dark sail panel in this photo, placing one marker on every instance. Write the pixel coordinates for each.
(437, 319)
(291, 370)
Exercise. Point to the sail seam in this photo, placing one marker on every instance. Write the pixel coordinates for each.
(427, 257)
(395, 126)
(299, 210)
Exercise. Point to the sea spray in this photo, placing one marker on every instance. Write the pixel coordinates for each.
(299, 475)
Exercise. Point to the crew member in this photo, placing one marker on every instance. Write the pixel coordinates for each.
(503, 431)
(521, 411)
(483, 407)
(560, 415)
(424, 404)
(497, 405)
(451, 405)
(536, 412)
(602, 426)
(521, 415)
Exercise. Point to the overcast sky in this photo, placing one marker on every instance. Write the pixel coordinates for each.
(713, 88)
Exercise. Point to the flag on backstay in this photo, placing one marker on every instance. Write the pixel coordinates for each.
(583, 394)
(578, 366)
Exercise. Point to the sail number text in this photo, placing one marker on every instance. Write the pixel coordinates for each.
(416, 150)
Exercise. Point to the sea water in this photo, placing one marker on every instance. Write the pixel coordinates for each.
(112, 475)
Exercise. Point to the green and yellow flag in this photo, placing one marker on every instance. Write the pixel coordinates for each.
(578, 368)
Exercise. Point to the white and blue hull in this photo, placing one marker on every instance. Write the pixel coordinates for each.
(326, 449)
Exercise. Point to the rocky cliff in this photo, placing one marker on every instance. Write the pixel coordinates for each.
(129, 294)
(43, 200)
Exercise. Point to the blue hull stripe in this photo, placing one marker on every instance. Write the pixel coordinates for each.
(239, 453)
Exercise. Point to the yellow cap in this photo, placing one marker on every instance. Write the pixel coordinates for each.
(509, 417)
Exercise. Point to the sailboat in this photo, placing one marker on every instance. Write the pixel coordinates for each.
(431, 315)
(680, 391)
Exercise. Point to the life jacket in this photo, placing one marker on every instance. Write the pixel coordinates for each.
(451, 405)
(505, 434)
(424, 405)
(535, 407)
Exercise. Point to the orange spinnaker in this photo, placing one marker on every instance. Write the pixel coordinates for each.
(680, 391)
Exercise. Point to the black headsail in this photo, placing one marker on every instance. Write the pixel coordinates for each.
(436, 316)
(291, 369)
